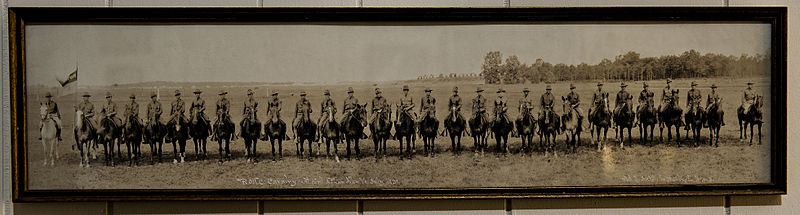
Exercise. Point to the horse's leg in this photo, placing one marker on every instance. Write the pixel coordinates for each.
(182, 144)
(741, 132)
(44, 151)
(711, 135)
(310, 149)
(221, 153)
(759, 136)
(347, 141)
(280, 148)
(255, 150)
(751, 133)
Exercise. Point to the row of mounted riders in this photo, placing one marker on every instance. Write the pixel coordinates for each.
(134, 132)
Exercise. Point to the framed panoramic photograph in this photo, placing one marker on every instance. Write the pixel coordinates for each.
(396, 103)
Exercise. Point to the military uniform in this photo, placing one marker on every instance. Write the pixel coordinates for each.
(646, 98)
(428, 107)
(131, 110)
(379, 104)
(525, 104)
(597, 97)
(349, 105)
(274, 108)
(198, 107)
(666, 96)
(110, 111)
(574, 100)
(53, 113)
(223, 109)
(454, 103)
(302, 110)
(714, 98)
(500, 107)
(250, 110)
(749, 97)
(153, 110)
(693, 98)
(479, 106)
(176, 110)
(407, 105)
(546, 101)
(327, 107)
(623, 99)
(88, 111)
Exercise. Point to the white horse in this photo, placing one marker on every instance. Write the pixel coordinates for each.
(48, 134)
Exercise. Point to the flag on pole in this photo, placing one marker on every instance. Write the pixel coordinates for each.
(71, 78)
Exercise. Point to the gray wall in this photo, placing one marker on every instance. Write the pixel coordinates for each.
(788, 204)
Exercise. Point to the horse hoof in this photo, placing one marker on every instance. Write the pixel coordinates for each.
(174, 160)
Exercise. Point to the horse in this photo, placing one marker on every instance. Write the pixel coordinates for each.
(570, 125)
(428, 128)
(353, 129)
(85, 136)
(108, 134)
(222, 131)
(647, 118)
(179, 133)
(132, 136)
(525, 128)
(331, 133)
(501, 128)
(600, 120)
(694, 122)
(752, 115)
(549, 128)
(670, 116)
(154, 132)
(199, 130)
(455, 127)
(478, 125)
(624, 120)
(405, 128)
(305, 131)
(714, 119)
(250, 132)
(275, 131)
(380, 128)
(48, 134)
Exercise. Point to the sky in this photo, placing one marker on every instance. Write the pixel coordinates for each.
(108, 54)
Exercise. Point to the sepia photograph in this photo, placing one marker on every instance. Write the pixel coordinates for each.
(397, 105)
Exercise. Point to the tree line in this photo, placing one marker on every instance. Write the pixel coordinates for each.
(629, 67)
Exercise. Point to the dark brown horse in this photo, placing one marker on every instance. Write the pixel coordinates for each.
(353, 129)
(670, 116)
(752, 116)
(623, 119)
(275, 131)
(380, 130)
(199, 130)
(330, 133)
(600, 120)
(525, 128)
(647, 118)
(132, 136)
(108, 134)
(455, 125)
(222, 132)
(478, 126)
(694, 123)
(428, 128)
(714, 119)
(250, 131)
(154, 132)
(405, 129)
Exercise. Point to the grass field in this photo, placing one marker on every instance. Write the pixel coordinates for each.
(666, 163)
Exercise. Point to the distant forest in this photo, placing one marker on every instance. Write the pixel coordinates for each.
(629, 66)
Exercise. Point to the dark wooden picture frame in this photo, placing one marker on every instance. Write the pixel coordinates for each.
(775, 16)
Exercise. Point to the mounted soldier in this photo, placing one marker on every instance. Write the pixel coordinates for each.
(110, 110)
(500, 106)
(666, 96)
(379, 106)
(749, 97)
(274, 107)
(350, 104)
(645, 97)
(407, 104)
(479, 105)
(428, 105)
(223, 109)
(177, 108)
(693, 97)
(525, 104)
(198, 106)
(131, 110)
(250, 110)
(88, 110)
(52, 113)
(454, 103)
(327, 103)
(714, 99)
(302, 110)
(153, 109)
(547, 101)
(596, 99)
(623, 99)
(575, 101)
